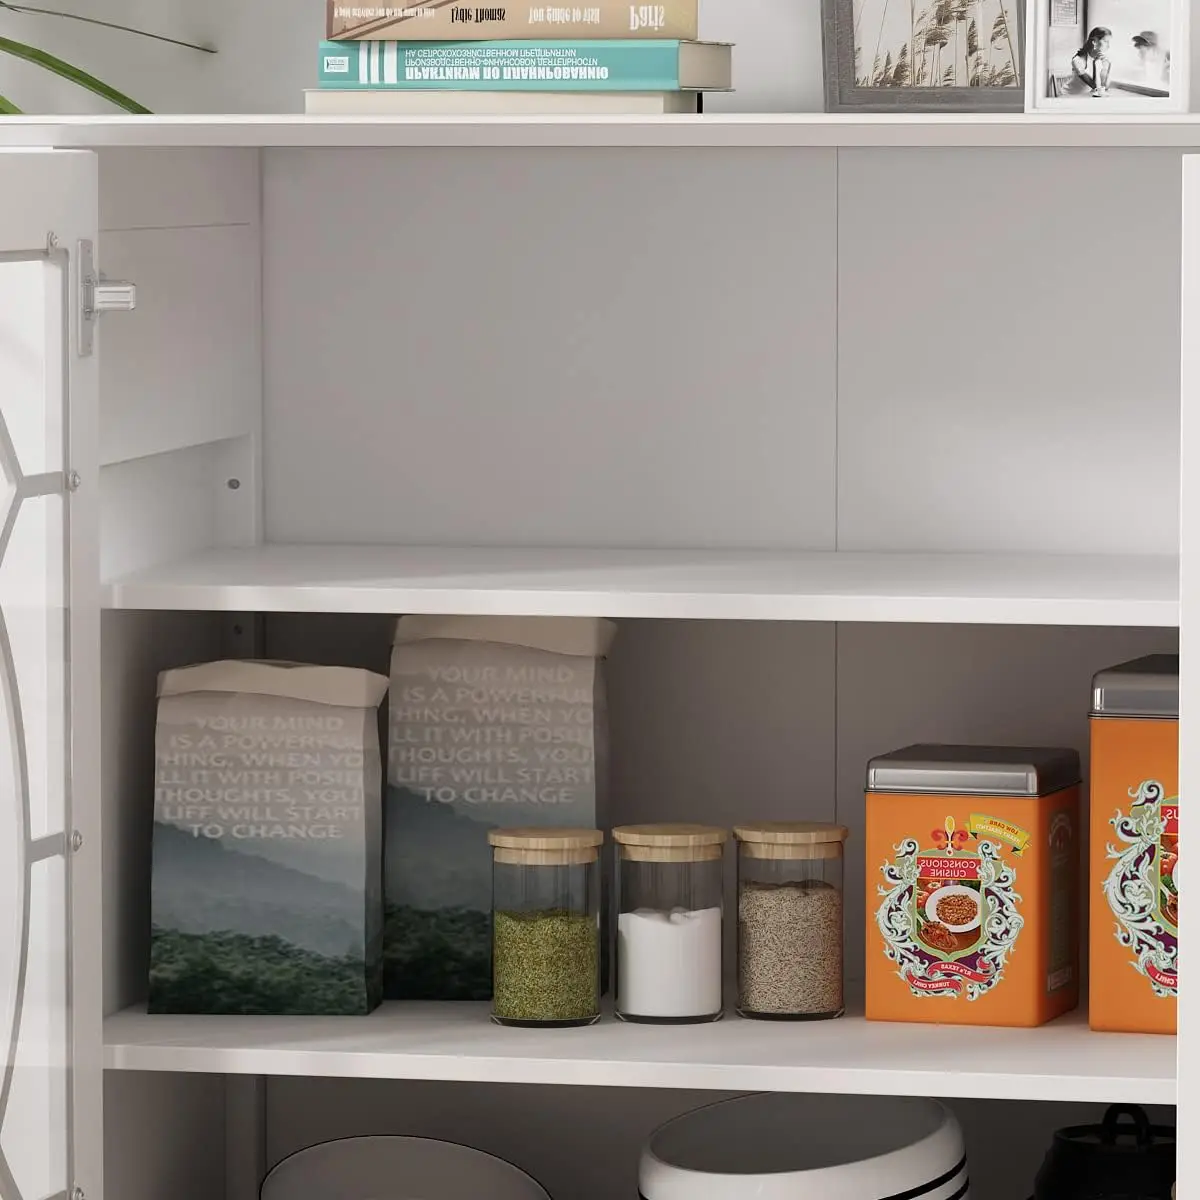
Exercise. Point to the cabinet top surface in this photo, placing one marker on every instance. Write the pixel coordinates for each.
(725, 129)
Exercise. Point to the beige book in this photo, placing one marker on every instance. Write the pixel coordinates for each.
(453, 20)
(396, 103)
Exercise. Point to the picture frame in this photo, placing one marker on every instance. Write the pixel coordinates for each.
(951, 41)
(1141, 65)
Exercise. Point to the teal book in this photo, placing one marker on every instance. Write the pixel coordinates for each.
(650, 65)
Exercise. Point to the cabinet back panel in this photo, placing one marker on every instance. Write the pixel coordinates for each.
(583, 1143)
(164, 1135)
(579, 347)
(700, 348)
(726, 721)
(1009, 350)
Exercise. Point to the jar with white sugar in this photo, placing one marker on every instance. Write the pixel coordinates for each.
(670, 882)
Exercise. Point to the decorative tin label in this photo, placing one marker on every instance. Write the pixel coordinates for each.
(949, 915)
(1142, 887)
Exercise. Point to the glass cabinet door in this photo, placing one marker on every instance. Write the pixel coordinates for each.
(45, 210)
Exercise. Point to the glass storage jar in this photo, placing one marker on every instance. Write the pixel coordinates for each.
(790, 920)
(545, 926)
(670, 880)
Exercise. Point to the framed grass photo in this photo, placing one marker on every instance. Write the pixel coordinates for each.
(922, 55)
(1115, 56)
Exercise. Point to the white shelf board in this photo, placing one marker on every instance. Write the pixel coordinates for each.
(959, 588)
(723, 129)
(1060, 1061)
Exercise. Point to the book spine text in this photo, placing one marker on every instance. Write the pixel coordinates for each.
(451, 20)
(646, 66)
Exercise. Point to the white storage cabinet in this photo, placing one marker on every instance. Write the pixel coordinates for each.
(866, 430)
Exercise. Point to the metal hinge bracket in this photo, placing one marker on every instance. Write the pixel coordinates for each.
(98, 295)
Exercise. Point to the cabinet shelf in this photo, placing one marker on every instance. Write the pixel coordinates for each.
(714, 129)
(1060, 1061)
(962, 588)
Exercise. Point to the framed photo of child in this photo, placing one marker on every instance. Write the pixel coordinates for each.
(1117, 56)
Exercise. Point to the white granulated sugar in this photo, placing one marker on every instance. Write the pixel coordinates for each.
(669, 963)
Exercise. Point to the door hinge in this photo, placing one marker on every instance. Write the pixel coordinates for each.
(97, 296)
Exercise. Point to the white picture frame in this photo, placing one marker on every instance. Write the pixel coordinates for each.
(1143, 65)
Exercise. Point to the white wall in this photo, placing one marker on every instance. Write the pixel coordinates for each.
(268, 54)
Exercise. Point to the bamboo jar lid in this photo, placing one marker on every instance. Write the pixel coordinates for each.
(670, 843)
(545, 847)
(791, 839)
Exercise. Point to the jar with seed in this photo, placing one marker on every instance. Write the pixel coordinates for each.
(790, 920)
(670, 883)
(545, 926)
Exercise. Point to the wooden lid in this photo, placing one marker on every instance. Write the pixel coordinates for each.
(791, 833)
(671, 843)
(791, 840)
(545, 839)
(670, 835)
(546, 847)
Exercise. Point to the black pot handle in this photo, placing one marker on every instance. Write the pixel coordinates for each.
(1110, 1127)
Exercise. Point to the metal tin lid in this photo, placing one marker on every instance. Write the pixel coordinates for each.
(974, 770)
(1145, 687)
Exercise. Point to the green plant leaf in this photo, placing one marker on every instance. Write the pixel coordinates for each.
(8, 108)
(64, 69)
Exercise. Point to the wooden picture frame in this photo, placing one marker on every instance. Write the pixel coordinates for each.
(1158, 83)
(844, 91)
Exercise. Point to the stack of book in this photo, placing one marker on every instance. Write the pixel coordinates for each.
(444, 57)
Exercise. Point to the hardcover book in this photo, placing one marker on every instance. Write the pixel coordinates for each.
(448, 20)
(396, 103)
(589, 66)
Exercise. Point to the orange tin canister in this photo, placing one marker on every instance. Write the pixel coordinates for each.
(972, 885)
(1135, 846)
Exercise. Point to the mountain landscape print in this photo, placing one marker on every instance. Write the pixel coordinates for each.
(234, 932)
(438, 888)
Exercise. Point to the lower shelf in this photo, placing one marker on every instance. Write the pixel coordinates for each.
(1060, 1061)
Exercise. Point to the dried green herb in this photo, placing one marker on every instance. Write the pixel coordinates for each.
(545, 966)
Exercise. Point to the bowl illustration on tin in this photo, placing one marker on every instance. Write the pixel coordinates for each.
(956, 907)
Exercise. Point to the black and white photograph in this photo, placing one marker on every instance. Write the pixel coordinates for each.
(1106, 56)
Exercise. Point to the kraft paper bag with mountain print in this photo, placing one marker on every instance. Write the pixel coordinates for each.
(266, 893)
(492, 722)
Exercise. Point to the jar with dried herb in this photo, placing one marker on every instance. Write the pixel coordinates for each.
(545, 926)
